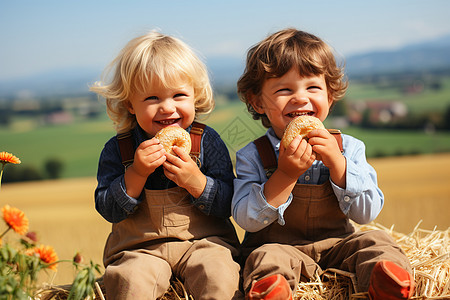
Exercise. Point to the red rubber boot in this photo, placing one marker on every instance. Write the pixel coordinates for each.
(274, 287)
(390, 282)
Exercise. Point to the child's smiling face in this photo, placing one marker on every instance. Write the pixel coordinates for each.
(162, 106)
(283, 98)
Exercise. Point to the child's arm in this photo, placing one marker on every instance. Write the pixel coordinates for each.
(212, 185)
(353, 179)
(258, 201)
(112, 200)
(292, 163)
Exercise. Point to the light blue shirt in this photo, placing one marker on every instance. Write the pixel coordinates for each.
(361, 200)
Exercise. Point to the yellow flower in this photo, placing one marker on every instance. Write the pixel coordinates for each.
(15, 218)
(47, 255)
(8, 158)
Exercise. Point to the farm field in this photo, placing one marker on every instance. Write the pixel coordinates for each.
(63, 215)
(78, 145)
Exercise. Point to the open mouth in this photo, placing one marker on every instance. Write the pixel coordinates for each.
(300, 113)
(167, 122)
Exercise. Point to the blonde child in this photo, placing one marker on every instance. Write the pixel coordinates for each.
(297, 206)
(170, 213)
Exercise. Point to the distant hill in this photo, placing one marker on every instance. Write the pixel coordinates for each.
(427, 56)
(432, 55)
(52, 83)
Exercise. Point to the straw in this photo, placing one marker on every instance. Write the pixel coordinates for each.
(428, 252)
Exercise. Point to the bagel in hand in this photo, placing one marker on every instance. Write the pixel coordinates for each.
(301, 126)
(174, 136)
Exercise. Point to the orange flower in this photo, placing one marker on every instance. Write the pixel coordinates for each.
(47, 255)
(8, 158)
(16, 219)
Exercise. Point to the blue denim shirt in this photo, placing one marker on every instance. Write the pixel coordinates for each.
(113, 203)
(361, 200)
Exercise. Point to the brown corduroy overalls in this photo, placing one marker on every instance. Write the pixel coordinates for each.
(168, 236)
(317, 235)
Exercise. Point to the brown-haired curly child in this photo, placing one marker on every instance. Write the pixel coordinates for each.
(297, 206)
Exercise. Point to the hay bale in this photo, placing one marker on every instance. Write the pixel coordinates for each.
(176, 291)
(427, 250)
(61, 292)
(429, 254)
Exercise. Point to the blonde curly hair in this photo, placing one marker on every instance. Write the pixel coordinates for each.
(150, 58)
(277, 54)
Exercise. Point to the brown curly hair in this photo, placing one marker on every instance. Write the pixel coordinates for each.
(277, 54)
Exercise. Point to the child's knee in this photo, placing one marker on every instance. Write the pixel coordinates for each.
(137, 275)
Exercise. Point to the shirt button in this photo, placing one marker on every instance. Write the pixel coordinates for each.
(346, 198)
(266, 221)
(307, 177)
(201, 206)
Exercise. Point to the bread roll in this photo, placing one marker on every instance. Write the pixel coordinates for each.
(301, 126)
(174, 136)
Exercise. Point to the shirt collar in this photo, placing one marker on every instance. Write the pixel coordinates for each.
(274, 140)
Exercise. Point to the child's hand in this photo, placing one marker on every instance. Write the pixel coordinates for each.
(184, 172)
(296, 159)
(293, 161)
(325, 145)
(148, 156)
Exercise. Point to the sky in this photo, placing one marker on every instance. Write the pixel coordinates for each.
(46, 35)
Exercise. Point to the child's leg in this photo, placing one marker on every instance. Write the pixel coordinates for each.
(137, 275)
(272, 259)
(359, 253)
(209, 271)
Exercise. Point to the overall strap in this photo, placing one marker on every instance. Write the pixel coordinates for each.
(337, 135)
(196, 133)
(267, 153)
(126, 144)
(126, 147)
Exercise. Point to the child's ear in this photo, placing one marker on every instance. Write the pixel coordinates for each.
(129, 107)
(256, 103)
(330, 101)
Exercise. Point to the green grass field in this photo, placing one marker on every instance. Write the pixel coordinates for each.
(79, 144)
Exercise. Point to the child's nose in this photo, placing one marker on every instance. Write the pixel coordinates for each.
(167, 106)
(300, 97)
